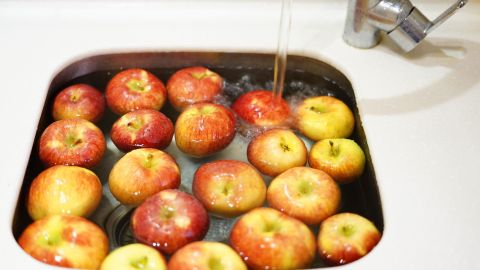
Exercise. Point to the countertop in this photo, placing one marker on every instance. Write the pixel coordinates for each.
(420, 110)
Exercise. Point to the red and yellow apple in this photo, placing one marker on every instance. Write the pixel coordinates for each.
(193, 85)
(342, 159)
(268, 239)
(79, 101)
(142, 128)
(228, 187)
(61, 189)
(307, 194)
(203, 255)
(346, 237)
(203, 129)
(142, 173)
(276, 151)
(133, 257)
(135, 89)
(65, 240)
(169, 220)
(72, 142)
(324, 117)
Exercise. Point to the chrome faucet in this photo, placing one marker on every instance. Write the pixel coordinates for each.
(402, 22)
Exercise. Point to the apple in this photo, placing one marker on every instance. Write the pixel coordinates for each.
(169, 220)
(324, 117)
(75, 142)
(142, 128)
(203, 129)
(346, 237)
(228, 187)
(276, 151)
(133, 257)
(262, 108)
(135, 89)
(61, 189)
(203, 255)
(342, 159)
(193, 85)
(79, 101)
(307, 194)
(142, 173)
(65, 240)
(268, 239)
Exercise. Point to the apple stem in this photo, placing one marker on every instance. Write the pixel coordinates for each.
(334, 148)
(140, 263)
(148, 162)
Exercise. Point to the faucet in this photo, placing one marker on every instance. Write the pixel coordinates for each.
(402, 22)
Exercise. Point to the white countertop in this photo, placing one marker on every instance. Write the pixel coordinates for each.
(420, 112)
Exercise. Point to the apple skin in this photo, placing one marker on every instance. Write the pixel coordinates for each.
(75, 142)
(133, 257)
(268, 239)
(228, 187)
(169, 220)
(135, 89)
(203, 129)
(65, 240)
(261, 108)
(346, 237)
(79, 101)
(61, 189)
(276, 151)
(193, 85)
(204, 255)
(142, 173)
(342, 159)
(307, 194)
(142, 128)
(324, 117)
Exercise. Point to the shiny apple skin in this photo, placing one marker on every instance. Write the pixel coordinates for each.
(135, 89)
(169, 220)
(79, 101)
(204, 129)
(261, 108)
(346, 237)
(133, 257)
(268, 239)
(304, 193)
(61, 189)
(76, 142)
(193, 85)
(229, 187)
(276, 151)
(141, 173)
(204, 255)
(142, 129)
(67, 241)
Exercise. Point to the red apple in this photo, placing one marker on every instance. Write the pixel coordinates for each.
(268, 239)
(304, 193)
(79, 101)
(324, 117)
(342, 159)
(346, 237)
(142, 128)
(142, 173)
(193, 85)
(67, 241)
(169, 220)
(228, 187)
(262, 108)
(276, 151)
(203, 129)
(135, 89)
(205, 255)
(72, 142)
(61, 189)
(133, 257)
